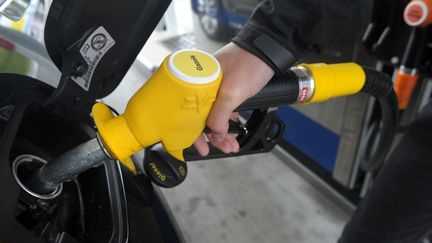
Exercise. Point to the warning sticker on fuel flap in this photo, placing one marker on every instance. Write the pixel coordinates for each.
(93, 50)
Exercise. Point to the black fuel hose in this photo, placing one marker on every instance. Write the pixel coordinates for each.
(284, 89)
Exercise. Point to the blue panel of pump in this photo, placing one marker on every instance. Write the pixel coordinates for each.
(310, 137)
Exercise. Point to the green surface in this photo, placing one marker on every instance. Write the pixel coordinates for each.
(13, 62)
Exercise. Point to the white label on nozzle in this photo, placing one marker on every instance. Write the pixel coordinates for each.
(93, 50)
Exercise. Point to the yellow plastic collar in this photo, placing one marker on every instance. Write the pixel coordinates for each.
(335, 80)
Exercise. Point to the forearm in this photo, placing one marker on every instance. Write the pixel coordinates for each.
(297, 28)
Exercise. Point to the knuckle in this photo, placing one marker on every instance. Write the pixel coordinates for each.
(217, 127)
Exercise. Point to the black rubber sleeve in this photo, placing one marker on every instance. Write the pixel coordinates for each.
(282, 89)
(377, 84)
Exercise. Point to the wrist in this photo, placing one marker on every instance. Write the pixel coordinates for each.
(266, 48)
(235, 58)
(244, 73)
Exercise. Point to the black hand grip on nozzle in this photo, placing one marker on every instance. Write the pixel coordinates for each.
(282, 89)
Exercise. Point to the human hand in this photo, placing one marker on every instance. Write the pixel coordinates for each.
(244, 75)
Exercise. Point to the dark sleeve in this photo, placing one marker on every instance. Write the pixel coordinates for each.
(281, 31)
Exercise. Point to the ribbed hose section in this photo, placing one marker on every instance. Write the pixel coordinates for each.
(377, 84)
(282, 89)
(380, 85)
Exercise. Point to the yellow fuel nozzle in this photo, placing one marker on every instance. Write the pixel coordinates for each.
(170, 108)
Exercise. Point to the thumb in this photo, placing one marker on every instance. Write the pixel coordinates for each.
(218, 118)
